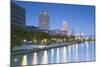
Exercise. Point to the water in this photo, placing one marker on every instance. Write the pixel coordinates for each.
(74, 53)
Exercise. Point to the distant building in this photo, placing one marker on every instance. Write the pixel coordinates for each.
(64, 25)
(17, 14)
(44, 20)
(57, 32)
(36, 29)
(32, 28)
(64, 28)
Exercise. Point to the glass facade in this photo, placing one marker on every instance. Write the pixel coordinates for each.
(17, 14)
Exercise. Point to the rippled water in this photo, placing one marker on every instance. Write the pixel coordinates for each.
(74, 53)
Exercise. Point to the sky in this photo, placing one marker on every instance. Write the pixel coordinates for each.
(81, 18)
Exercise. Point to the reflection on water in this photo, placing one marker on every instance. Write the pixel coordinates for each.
(52, 55)
(64, 54)
(76, 52)
(24, 60)
(45, 59)
(73, 53)
(57, 57)
(35, 61)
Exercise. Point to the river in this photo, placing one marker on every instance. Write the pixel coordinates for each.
(68, 54)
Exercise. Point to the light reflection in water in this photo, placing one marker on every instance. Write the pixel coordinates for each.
(87, 51)
(57, 58)
(52, 52)
(35, 61)
(69, 53)
(45, 57)
(52, 55)
(76, 52)
(72, 53)
(82, 51)
(64, 54)
(15, 60)
(69, 50)
(82, 45)
(24, 60)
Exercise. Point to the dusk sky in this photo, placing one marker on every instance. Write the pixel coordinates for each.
(78, 17)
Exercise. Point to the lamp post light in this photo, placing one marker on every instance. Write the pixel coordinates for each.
(64, 39)
(25, 42)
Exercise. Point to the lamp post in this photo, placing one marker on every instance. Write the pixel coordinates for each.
(25, 42)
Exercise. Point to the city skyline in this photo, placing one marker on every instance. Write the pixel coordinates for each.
(80, 18)
(43, 33)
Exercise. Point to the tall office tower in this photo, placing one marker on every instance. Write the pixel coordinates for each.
(17, 14)
(44, 20)
(64, 28)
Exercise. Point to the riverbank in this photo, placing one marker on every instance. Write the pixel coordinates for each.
(17, 52)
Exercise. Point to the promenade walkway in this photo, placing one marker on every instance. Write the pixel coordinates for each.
(31, 48)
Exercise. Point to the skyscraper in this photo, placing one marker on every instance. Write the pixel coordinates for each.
(44, 20)
(17, 14)
(64, 26)
(64, 29)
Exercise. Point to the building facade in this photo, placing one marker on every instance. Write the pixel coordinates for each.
(64, 25)
(64, 29)
(44, 20)
(58, 32)
(17, 14)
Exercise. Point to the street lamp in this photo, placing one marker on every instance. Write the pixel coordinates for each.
(24, 40)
